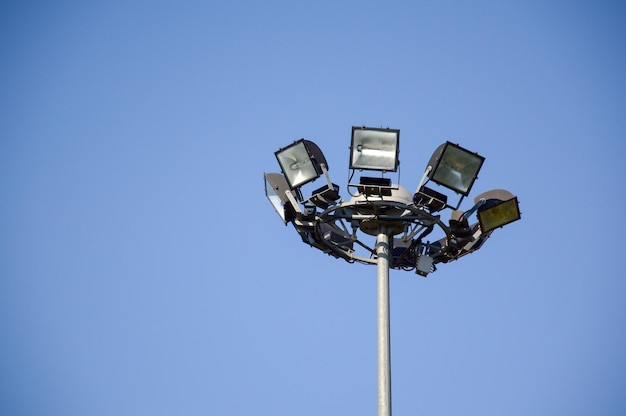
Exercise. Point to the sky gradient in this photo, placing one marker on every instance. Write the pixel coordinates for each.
(143, 271)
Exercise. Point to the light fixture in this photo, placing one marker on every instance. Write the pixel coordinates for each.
(500, 208)
(454, 167)
(424, 265)
(374, 186)
(405, 225)
(374, 149)
(301, 162)
(280, 196)
(433, 200)
(325, 196)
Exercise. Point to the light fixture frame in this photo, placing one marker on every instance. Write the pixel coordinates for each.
(381, 207)
(288, 202)
(316, 158)
(435, 164)
(356, 130)
(496, 204)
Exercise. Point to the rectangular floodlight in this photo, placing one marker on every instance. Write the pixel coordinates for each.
(455, 168)
(498, 215)
(299, 163)
(276, 189)
(374, 149)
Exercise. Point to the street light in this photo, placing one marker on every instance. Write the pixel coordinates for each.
(408, 233)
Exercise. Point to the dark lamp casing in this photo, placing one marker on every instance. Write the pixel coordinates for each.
(375, 186)
(495, 214)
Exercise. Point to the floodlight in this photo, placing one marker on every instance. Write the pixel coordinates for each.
(301, 162)
(500, 208)
(374, 149)
(455, 167)
(280, 196)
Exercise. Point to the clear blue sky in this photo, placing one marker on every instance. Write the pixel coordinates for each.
(143, 272)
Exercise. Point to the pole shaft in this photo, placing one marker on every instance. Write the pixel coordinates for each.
(384, 343)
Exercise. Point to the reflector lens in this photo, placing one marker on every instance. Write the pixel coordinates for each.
(499, 215)
(457, 169)
(374, 149)
(296, 164)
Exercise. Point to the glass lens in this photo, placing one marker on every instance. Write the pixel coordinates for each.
(296, 165)
(499, 215)
(374, 150)
(457, 169)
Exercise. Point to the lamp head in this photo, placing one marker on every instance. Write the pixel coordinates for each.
(276, 189)
(374, 149)
(301, 162)
(454, 167)
(500, 208)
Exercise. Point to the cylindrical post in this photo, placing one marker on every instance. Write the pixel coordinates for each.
(384, 344)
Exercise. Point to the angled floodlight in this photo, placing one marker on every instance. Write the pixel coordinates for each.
(499, 208)
(301, 162)
(374, 149)
(280, 196)
(454, 167)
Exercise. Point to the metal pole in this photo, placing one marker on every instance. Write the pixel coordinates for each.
(384, 360)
